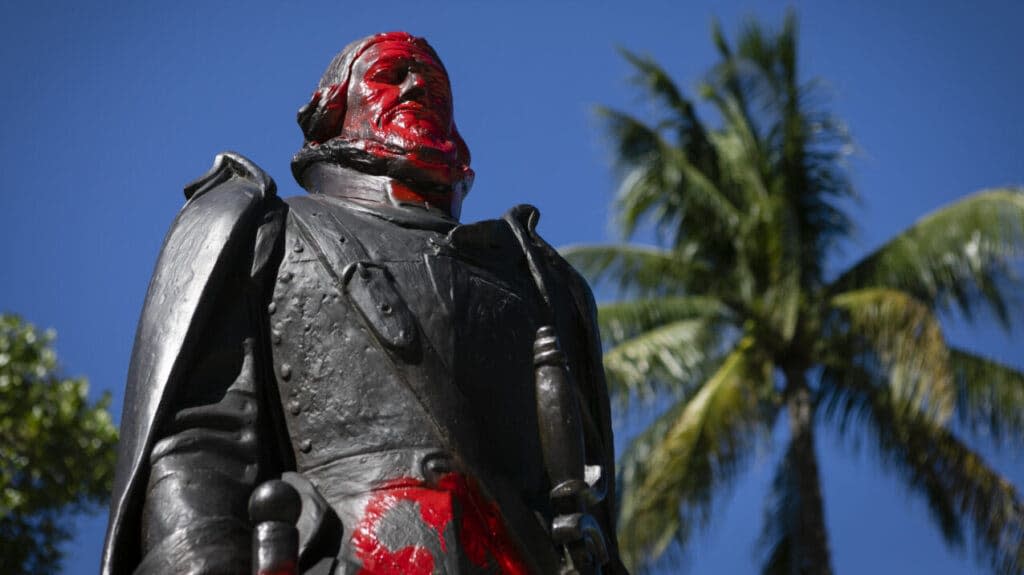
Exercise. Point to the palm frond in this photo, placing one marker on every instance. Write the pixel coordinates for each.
(669, 359)
(961, 490)
(635, 269)
(681, 117)
(626, 319)
(957, 257)
(662, 524)
(661, 182)
(907, 340)
(990, 397)
(725, 86)
(739, 164)
(696, 449)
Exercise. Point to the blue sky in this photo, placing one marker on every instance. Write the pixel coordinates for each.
(109, 108)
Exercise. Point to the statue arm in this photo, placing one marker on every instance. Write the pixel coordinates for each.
(218, 439)
(203, 469)
(195, 433)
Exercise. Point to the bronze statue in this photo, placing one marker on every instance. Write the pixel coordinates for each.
(352, 381)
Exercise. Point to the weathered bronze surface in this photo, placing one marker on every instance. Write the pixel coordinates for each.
(352, 381)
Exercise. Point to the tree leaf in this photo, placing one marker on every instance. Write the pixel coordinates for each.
(642, 270)
(670, 481)
(669, 358)
(960, 488)
(56, 449)
(957, 257)
(907, 340)
(990, 397)
(623, 320)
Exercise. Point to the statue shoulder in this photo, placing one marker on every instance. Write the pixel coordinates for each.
(233, 197)
(526, 218)
(228, 165)
(230, 199)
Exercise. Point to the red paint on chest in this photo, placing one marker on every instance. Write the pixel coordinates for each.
(479, 527)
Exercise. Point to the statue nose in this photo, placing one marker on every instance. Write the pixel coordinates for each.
(414, 85)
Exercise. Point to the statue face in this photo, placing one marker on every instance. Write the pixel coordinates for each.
(399, 96)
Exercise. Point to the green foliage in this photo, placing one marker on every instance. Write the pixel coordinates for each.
(955, 258)
(56, 449)
(732, 320)
(670, 473)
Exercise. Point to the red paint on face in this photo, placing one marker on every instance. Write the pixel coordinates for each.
(399, 99)
(399, 95)
(481, 531)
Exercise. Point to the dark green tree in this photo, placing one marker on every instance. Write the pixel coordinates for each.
(733, 317)
(56, 450)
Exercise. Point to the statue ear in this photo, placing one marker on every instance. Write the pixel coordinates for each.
(466, 174)
(321, 118)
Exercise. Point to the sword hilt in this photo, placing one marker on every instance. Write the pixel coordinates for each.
(274, 508)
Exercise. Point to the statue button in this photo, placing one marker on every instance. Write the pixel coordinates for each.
(435, 465)
(294, 407)
(286, 371)
(305, 446)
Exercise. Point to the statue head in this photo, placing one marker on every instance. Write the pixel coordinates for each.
(384, 106)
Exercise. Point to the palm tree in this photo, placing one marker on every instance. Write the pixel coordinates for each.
(734, 318)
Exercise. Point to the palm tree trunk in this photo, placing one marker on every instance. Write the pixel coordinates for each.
(810, 539)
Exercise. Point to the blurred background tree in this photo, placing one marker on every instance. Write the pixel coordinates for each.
(733, 317)
(56, 450)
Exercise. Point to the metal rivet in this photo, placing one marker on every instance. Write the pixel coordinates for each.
(297, 249)
(272, 307)
(305, 445)
(435, 466)
(287, 277)
(286, 371)
(294, 407)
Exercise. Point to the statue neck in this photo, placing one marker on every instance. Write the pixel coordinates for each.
(332, 179)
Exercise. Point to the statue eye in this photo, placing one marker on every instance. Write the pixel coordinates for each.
(388, 74)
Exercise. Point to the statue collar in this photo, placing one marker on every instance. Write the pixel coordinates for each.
(380, 196)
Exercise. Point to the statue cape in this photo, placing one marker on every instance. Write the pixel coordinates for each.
(214, 229)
